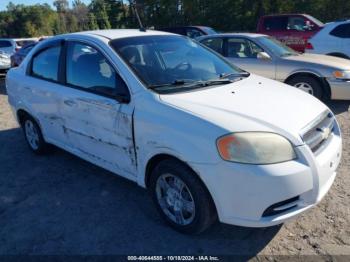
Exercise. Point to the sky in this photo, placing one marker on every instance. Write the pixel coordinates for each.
(4, 3)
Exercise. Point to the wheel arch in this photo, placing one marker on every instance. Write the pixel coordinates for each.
(322, 81)
(154, 160)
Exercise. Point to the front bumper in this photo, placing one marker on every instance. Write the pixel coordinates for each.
(242, 192)
(340, 89)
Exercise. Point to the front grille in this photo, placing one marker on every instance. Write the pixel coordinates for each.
(319, 132)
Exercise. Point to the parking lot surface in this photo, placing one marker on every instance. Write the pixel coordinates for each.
(60, 204)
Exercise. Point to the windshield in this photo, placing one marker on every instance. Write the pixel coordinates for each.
(276, 47)
(172, 60)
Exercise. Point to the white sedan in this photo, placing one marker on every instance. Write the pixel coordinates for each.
(206, 138)
(333, 39)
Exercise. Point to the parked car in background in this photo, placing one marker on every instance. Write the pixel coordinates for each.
(319, 75)
(207, 139)
(17, 58)
(21, 42)
(333, 39)
(190, 31)
(5, 63)
(8, 46)
(291, 29)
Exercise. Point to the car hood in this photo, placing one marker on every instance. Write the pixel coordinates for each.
(325, 60)
(252, 104)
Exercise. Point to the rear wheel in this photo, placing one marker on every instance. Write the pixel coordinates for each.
(33, 136)
(181, 198)
(307, 84)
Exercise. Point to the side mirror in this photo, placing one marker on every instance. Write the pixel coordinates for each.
(263, 56)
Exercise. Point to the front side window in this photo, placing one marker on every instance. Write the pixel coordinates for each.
(242, 48)
(168, 59)
(214, 43)
(87, 68)
(45, 63)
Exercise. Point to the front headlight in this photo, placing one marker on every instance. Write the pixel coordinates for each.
(339, 74)
(255, 148)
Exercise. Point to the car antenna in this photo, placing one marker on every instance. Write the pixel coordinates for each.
(134, 7)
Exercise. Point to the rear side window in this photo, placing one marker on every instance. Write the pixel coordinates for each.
(4, 43)
(342, 31)
(45, 64)
(276, 23)
(214, 43)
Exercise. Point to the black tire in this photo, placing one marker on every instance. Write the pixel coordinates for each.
(41, 146)
(316, 86)
(205, 212)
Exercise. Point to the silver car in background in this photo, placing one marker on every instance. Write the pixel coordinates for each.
(323, 76)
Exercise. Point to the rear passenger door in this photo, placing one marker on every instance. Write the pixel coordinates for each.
(42, 91)
(96, 109)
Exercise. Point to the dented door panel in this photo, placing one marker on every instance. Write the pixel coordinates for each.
(99, 128)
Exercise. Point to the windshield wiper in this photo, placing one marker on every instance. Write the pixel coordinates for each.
(176, 82)
(226, 75)
(191, 84)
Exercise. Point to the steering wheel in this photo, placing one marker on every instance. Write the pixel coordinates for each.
(183, 66)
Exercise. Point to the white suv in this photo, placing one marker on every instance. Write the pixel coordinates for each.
(206, 138)
(333, 39)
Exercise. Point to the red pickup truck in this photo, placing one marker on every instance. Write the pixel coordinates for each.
(292, 29)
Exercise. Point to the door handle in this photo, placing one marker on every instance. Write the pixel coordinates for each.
(69, 102)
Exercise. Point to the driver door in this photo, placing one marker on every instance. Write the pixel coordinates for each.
(244, 53)
(96, 111)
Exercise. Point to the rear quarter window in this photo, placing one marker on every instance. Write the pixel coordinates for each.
(342, 31)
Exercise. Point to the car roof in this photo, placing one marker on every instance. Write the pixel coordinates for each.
(120, 33)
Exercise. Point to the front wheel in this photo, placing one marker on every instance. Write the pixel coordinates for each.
(308, 85)
(181, 198)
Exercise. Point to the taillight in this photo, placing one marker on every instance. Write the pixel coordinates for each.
(309, 46)
(17, 49)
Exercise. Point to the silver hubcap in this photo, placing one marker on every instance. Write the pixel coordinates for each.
(175, 199)
(305, 87)
(31, 134)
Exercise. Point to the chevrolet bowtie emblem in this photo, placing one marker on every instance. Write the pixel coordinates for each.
(325, 132)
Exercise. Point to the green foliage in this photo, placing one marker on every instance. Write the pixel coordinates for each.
(223, 15)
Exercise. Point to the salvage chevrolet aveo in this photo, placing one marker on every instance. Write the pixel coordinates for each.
(208, 140)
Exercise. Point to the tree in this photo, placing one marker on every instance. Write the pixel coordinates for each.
(81, 12)
(98, 8)
(92, 24)
(61, 5)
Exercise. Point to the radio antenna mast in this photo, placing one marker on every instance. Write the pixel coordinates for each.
(134, 7)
